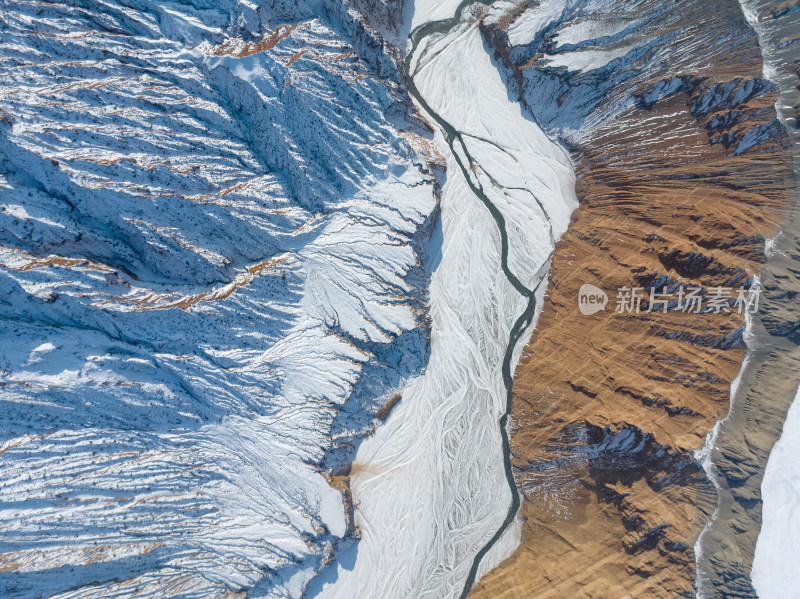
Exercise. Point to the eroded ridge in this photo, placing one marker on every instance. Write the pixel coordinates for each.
(682, 170)
(212, 226)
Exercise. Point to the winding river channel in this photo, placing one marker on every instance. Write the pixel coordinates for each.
(466, 164)
(434, 492)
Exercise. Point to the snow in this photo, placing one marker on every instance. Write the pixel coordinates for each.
(204, 259)
(777, 555)
(589, 30)
(211, 257)
(429, 486)
(771, 245)
(426, 12)
(531, 22)
(586, 60)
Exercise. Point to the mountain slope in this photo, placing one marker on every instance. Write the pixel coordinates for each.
(212, 223)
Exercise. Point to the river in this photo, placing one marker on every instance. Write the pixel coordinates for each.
(434, 494)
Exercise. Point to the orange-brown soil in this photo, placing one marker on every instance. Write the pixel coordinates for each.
(609, 408)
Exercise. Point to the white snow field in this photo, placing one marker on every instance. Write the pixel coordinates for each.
(429, 487)
(777, 558)
(211, 226)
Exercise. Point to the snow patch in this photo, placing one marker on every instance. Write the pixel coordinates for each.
(777, 556)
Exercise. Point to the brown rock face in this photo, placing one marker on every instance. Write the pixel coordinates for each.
(611, 408)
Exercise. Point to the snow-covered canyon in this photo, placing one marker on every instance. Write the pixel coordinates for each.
(430, 487)
(267, 269)
(219, 226)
